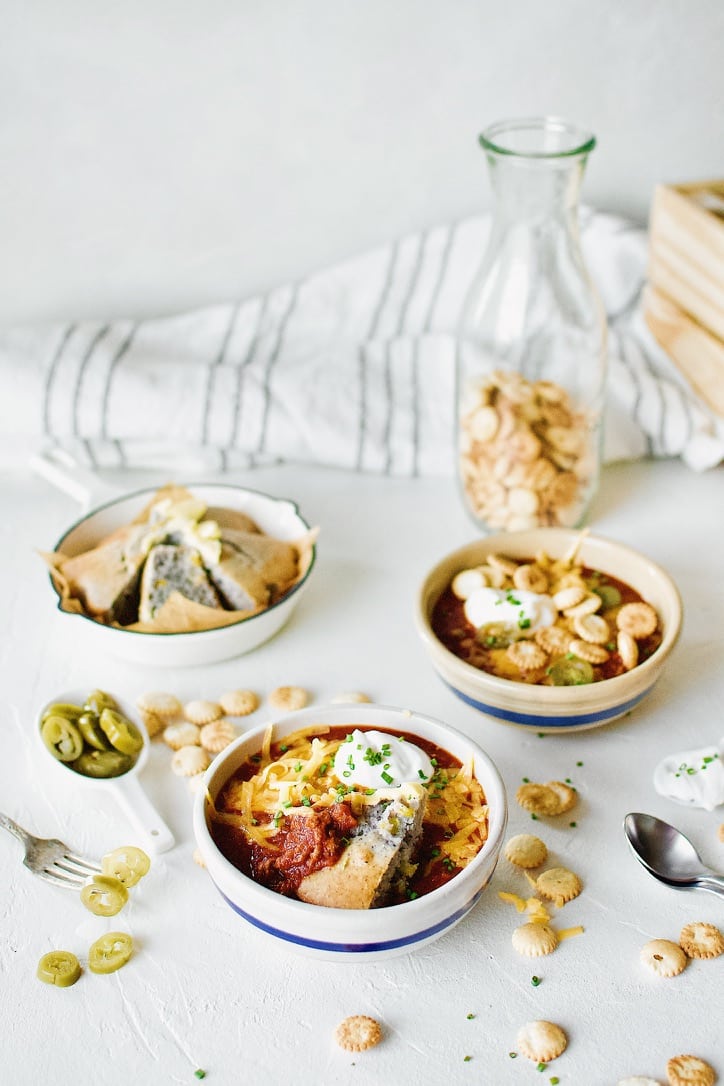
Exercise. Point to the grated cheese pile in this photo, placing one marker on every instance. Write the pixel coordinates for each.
(302, 778)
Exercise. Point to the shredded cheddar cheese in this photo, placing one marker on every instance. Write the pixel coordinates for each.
(302, 778)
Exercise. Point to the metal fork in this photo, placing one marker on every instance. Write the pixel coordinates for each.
(51, 859)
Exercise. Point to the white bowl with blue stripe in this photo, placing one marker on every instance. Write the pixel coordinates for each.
(354, 934)
(553, 708)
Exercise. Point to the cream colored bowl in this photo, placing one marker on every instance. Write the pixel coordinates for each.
(553, 708)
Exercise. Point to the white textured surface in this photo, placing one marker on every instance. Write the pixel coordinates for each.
(204, 990)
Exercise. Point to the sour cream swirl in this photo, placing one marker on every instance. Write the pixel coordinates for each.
(379, 760)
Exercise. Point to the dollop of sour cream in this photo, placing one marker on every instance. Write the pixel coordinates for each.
(379, 760)
(512, 607)
(693, 777)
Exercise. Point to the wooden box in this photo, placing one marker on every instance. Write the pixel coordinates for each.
(684, 302)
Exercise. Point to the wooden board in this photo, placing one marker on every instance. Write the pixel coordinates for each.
(696, 353)
(686, 235)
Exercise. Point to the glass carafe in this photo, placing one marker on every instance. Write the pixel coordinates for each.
(531, 346)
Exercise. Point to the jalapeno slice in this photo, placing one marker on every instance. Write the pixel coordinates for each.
(59, 967)
(98, 700)
(121, 732)
(110, 952)
(90, 729)
(570, 672)
(102, 763)
(128, 864)
(62, 708)
(104, 895)
(62, 738)
(610, 595)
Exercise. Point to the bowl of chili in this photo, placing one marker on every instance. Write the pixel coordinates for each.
(485, 611)
(444, 879)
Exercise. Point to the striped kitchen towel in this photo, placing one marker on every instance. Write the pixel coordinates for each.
(351, 368)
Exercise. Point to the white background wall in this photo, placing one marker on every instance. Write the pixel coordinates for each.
(157, 155)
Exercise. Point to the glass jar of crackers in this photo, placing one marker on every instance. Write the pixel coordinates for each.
(531, 348)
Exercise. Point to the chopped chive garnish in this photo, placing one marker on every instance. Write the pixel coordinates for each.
(284, 748)
(471, 1015)
(306, 801)
(535, 981)
(199, 1073)
(573, 824)
(387, 778)
(467, 1059)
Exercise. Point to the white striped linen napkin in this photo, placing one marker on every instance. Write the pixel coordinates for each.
(352, 367)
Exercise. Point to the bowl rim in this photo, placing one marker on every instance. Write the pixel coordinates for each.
(261, 894)
(550, 694)
(200, 635)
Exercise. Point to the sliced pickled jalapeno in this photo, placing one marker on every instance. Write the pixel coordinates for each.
(90, 728)
(110, 952)
(610, 595)
(121, 732)
(98, 700)
(128, 864)
(102, 763)
(570, 671)
(59, 967)
(104, 895)
(63, 708)
(62, 738)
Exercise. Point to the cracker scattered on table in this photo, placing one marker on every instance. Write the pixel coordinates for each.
(526, 850)
(201, 711)
(350, 697)
(239, 702)
(665, 958)
(567, 795)
(153, 723)
(700, 940)
(538, 799)
(217, 735)
(358, 1033)
(689, 1071)
(534, 940)
(558, 885)
(541, 1041)
(183, 734)
(289, 698)
(189, 761)
(166, 706)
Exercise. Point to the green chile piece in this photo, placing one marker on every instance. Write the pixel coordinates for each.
(102, 763)
(62, 738)
(121, 732)
(98, 700)
(59, 967)
(91, 730)
(570, 672)
(62, 708)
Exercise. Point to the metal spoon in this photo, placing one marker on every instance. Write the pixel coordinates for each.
(668, 855)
